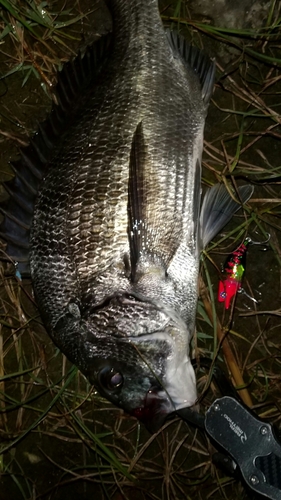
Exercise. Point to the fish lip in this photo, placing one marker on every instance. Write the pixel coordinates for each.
(158, 408)
(162, 401)
(155, 410)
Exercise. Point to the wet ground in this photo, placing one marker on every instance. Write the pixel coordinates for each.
(58, 438)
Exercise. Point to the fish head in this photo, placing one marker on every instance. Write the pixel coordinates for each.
(139, 360)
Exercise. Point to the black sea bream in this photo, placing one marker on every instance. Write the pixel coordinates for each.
(114, 242)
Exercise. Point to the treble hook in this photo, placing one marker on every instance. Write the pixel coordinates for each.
(242, 291)
(253, 242)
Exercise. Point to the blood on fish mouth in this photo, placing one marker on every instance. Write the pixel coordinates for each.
(154, 411)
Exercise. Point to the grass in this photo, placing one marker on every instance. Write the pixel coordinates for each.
(57, 436)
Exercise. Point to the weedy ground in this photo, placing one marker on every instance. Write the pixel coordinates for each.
(58, 438)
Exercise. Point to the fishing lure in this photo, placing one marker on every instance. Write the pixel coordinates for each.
(233, 272)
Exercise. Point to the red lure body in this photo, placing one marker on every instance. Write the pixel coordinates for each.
(233, 273)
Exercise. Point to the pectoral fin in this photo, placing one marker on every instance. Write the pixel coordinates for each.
(151, 239)
(136, 198)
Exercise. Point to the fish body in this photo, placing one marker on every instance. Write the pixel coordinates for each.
(233, 272)
(113, 236)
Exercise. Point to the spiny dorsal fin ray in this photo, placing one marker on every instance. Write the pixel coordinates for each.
(21, 202)
(23, 188)
(202, 65)
(217, 209)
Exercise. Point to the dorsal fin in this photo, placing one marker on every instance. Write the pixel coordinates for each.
(200, 62)
(74, 78)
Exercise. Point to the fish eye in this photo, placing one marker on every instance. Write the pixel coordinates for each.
(110, 379)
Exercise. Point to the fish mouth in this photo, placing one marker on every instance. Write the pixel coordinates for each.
(163, 402)
(155, 410)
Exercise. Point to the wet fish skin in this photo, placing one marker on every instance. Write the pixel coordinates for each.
(115, 241)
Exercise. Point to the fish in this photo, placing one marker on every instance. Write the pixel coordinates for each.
(104, 212)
